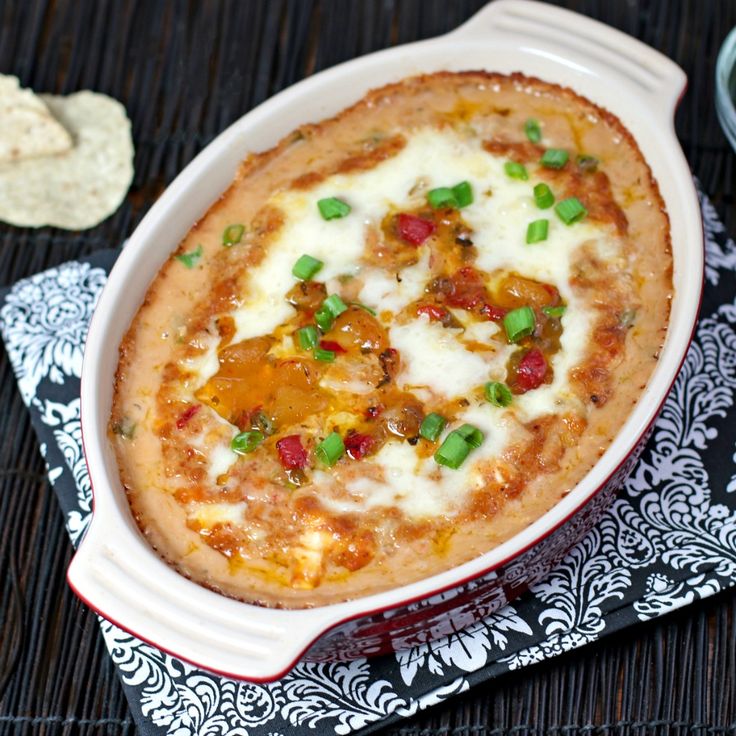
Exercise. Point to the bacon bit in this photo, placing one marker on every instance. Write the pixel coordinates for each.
(372, 412)
(531, 371)
(183, 420)
(358, 445)
(468, 289)
(414, 230)
(332, 345)
(291, 453)
(492, 312)
(435, 313)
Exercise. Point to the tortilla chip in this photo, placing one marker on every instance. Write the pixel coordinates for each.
(81, 187)
(27, 128)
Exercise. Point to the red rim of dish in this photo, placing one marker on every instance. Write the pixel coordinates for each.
(442, 588)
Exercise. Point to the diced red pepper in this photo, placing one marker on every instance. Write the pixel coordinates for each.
(492, 312)
(358, 445)
(331, 345)
(435, 313)
(291, 453)
(183, 420)
(468, 289)
(531, 371)
(373, 411)
(413, 229)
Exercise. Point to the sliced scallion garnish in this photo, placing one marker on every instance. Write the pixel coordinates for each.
(463, 194)
(519, 323)
(324, 356)
(306, 266)
(335, 305)
(532, 130)
(190, 260)
(308, 337)
(332, 208)
(453, 451)
(232, 235)
(627, 318)
(515, 170)
(441, 197)
(543, 196)
(554, 158)
(330, 450)
(472, 435)
(432, 426)
(587, 163)
(570, 210)
(324, 318)
(457, 197)
(555, 312)
(246, 442)
(537, 231)
(264, 422)
(498, 393)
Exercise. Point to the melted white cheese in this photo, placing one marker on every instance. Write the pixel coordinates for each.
(434, 359)
(419, 486)
(209, 514)
(384, 292)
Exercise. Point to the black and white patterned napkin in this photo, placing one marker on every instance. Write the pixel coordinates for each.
(669, 538)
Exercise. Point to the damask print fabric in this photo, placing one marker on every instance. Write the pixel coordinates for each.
(667, 540)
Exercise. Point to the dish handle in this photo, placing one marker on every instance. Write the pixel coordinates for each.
(582, 44)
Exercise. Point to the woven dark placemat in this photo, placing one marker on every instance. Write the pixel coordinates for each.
(184, 71)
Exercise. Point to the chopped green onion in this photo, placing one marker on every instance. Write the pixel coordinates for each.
(441, 197)
(537, 231)
(368, 309)
(554, 158)
(260, 419)
(587, 163)
(334, 304)
(453, 451)
(306, 267)
(190, 260)
(570, 210)
(432, 426)
(246, 442)
(308, 337)
(330, 450)
(627, 317)
(457, 446)
(498, 394)
(543, 196)
(125, 428)
(532, 130)
(555, 312)
(472, 435)
(519, 323)
(463, 194)
(233, 235)
(516, 170)
(324, 356)
(332, 208)
(324, 318)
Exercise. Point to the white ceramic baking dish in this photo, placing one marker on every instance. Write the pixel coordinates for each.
(120, 576)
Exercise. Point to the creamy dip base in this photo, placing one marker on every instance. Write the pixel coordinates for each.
(214, 350)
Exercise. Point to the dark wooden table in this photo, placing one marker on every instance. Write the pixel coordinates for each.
(185, 70)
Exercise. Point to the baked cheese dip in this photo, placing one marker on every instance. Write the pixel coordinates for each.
(401, 336)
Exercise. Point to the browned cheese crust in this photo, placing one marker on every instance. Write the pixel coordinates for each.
(292, 537)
